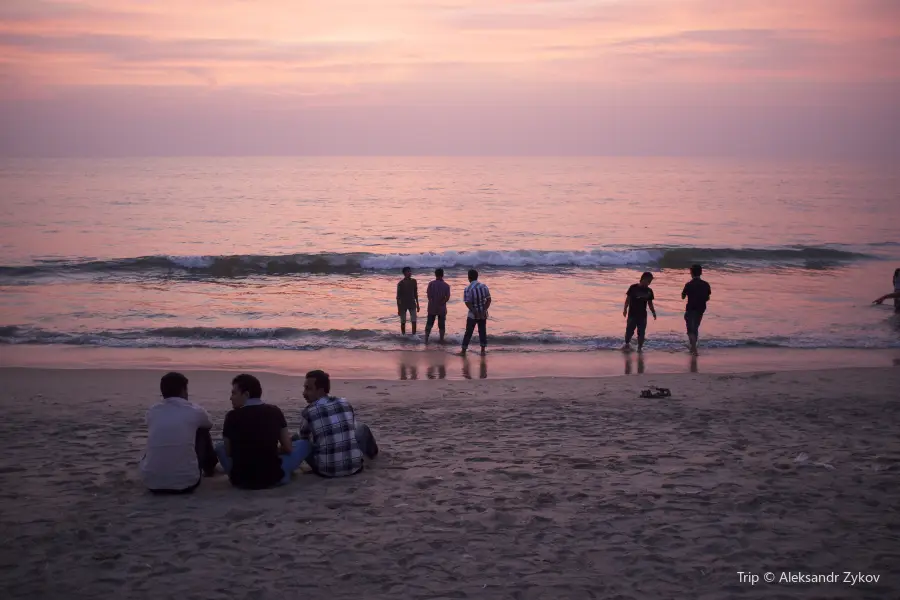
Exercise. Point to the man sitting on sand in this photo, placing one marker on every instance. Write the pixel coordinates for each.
(257, 451)
(329, 424)
(179, 445)
(638, 297)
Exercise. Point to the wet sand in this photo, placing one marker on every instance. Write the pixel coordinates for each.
(506, 488)
(441, 362)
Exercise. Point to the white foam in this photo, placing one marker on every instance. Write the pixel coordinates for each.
(512, 258)
(192, 262)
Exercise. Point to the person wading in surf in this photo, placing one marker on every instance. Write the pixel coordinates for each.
(407, 300)
(697, 293)
(895, 295)
(638, 297)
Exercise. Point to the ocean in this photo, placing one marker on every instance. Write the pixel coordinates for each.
(303, 254)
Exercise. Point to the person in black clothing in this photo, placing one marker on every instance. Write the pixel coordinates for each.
(407, 300)
(638, 297)
(697, 293)
(257, 451)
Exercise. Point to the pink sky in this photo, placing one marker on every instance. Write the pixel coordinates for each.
(118, 77)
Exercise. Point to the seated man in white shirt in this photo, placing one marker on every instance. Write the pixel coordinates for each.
(179, 444)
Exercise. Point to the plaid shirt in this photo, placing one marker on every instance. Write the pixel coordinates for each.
(330, 424)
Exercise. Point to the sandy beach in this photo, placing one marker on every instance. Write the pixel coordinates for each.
(516, 488)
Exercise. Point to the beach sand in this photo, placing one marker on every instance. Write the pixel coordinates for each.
(517, 488)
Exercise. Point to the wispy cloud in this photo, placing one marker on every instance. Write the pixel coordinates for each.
(144, 49)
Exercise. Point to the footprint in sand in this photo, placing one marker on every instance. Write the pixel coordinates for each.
(428, 482)
(240, 515)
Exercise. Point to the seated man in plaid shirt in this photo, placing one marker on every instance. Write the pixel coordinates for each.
(329, 423)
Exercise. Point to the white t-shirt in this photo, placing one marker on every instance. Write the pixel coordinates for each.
(170, 462)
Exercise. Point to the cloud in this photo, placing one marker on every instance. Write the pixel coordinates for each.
(539, 16)
(47, 13)
(613, 120)
(767, 50)
(344, 45)
(145, 49)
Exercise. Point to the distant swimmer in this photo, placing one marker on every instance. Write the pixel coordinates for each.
(895, 295)
(697, 293)
(638, 297)
(407, 300)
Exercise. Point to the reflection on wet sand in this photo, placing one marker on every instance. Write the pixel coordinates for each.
(629, 360)
(467, 367)
(437, 366)
(408, 371)
(441, 365)
(436, 372)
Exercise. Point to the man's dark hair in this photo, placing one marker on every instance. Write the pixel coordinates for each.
(172, 384)
(647, 275)
(438, 273)
(473, 274)
(323, 381)
(696, 270)
(249, 384)
(405, 269)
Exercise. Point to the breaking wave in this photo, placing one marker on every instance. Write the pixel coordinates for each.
(288, 338)
(361, 262)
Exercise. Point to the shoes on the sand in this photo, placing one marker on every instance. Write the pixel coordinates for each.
(656, 392)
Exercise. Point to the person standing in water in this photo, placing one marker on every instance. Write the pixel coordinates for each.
(477, 297)
(697, 293)
(638, 297)
(438, 293)
(895, 295)
(407, 300)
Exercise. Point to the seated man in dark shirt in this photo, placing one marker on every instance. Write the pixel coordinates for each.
(697, 293)
(257, 451)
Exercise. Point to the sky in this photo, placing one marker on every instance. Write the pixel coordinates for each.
(450, 77)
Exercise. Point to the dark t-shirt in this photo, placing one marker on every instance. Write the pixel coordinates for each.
(407, 292)
(697, 292)
(638, 297)
(253, 432)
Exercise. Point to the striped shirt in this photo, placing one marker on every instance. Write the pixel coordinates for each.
(477, 294)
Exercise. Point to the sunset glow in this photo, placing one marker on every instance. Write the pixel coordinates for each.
(277, 54)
